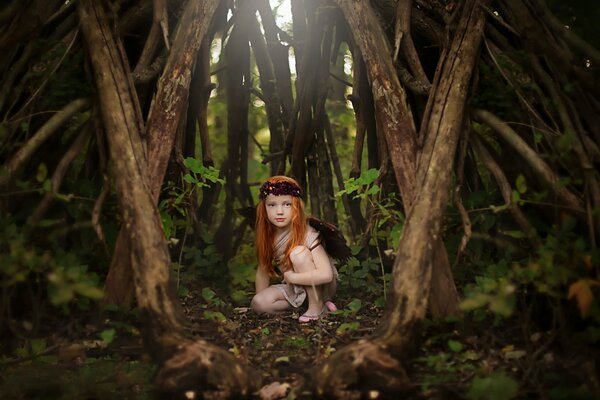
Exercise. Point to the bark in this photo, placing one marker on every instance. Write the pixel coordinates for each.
(184, 363)
(26, 22)
(173, 87)
(281, 65)
(301, 134)
(58, 175)
(49, 128)
(538, 166)
(377, 360)
(166, 111)
(395, 122)
(391, 110)
(237, 55)
(273, 105)
(506, 190)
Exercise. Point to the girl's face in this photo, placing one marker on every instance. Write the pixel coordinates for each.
(279, 210)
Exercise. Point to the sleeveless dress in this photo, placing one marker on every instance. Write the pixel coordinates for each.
(296, 294)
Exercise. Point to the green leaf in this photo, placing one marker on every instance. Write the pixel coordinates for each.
(347, 327)
(108, 335)
(476, 301)
(373, 190)
(42, 173)
(521, 184)
(215, 315)
(189, 179)
(355, 305)
(193, 164)
(37, 346)
(89, 291)
(455, 346)
(515, 234)
(208, 294)
(516, 196)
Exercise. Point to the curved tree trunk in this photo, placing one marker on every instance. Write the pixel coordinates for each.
(168, 108)
(184, 362)
(375, 363)
(396, 121)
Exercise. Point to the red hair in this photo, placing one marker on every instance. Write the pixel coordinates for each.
(265, 234)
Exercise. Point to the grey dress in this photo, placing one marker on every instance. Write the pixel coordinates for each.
(296, 294)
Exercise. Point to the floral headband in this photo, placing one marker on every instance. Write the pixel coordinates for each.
(279, 189)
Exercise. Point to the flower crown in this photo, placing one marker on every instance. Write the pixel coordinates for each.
(282, 188)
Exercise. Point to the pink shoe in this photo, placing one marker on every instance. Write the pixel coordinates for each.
(330, 306)
(304, 318)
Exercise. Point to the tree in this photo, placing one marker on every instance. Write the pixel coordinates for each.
(443, 92)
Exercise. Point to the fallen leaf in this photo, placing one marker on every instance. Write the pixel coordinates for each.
(273, 391)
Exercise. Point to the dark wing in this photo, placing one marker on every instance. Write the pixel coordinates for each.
(332, 239)
(249, 214)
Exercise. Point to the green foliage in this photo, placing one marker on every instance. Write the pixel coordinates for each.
(444, 367)
(108, 335)
(495, 293)
(361, 187)
(173, 207)
(387, 224)
(64, 275)
(211, 297)
(296, 342)
(45, 378)
(560, 271)
(198, 174)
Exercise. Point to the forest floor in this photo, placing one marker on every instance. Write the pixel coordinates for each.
(105, 359)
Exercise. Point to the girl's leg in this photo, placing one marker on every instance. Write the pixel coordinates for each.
(269, 300)
(302, 261)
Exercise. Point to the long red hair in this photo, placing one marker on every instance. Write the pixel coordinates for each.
(265, 234)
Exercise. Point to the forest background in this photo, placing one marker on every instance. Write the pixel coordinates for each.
(454, 144)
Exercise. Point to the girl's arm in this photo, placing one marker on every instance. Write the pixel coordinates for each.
(315, 268)
(262, 279)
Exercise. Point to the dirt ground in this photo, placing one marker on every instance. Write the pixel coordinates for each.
(280, 348)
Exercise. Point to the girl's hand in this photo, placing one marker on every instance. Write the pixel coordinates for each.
(289, 276)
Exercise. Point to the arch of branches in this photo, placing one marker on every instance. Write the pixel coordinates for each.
(125, 85)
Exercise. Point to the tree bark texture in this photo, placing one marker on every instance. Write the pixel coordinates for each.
(377, 361)
(396, 122)
(166, 111)
(186, 365)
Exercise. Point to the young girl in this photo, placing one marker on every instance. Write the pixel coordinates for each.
(287, 243)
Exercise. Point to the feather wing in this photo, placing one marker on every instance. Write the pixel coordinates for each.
(332, 239)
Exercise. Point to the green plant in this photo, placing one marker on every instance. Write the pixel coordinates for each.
(64, 275)
(386, 219)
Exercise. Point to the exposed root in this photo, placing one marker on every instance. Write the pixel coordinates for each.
(203, 370)
(363, 369)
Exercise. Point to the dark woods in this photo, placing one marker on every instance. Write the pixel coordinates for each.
(474, 126)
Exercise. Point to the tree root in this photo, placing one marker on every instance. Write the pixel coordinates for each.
(201, 370)
(363, 369)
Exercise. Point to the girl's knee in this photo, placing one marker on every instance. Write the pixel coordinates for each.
(259, 304)
(299, 256)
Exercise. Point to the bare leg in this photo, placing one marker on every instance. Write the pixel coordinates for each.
(269, 300)
(302, 261)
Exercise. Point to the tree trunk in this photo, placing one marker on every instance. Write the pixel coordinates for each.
(395, 120)
(184, 362)
(377, 361)
(166, 111)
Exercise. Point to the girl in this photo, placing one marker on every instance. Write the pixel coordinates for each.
(284, 238)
